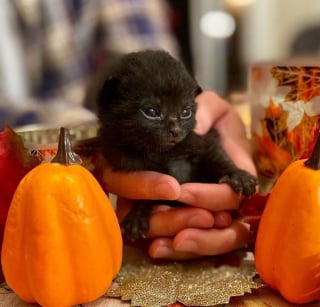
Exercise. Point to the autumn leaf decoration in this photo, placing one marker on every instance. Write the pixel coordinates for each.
(303, 81)
(290, 126)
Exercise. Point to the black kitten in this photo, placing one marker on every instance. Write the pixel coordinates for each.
(147, 111)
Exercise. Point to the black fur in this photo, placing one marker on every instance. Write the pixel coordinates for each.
(146, 110)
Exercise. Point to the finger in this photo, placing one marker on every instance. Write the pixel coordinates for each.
(214, 197)
(214, 241)
(222, 219)
(194, 243)
(141, 185)
(162, 248)
(171, 221)
(210, 107)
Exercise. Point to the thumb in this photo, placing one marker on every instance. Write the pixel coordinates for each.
(141, 185)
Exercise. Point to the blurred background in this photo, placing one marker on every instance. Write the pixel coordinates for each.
(53, 52)
(226, 36)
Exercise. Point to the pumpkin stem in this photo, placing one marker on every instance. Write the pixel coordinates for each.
(65, 155)
(314, 160)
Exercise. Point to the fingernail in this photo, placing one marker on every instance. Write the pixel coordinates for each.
(162, 252)
(187, 246)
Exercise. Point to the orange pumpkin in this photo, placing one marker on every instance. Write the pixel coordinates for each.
(62, 243)
(287, 251)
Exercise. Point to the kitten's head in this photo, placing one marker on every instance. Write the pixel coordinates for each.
(148, 101)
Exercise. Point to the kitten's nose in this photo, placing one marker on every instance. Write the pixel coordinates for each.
(174, 131)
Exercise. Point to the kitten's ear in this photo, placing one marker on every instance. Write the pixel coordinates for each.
(107, 91)
(198, 90)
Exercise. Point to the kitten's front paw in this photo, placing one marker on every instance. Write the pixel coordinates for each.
(133, 228)
(241, 182)
(136, 224)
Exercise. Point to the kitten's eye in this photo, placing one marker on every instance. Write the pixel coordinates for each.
(151, 113)
(186, 113)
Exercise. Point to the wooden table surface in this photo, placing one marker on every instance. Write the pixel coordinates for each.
(259, 298)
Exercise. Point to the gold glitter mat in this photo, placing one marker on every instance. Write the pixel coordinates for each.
(207, 282)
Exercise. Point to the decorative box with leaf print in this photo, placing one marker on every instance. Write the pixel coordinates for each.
(285, 109)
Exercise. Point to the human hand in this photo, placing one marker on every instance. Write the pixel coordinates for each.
(170, 228)
(206, 227)
(190, 232)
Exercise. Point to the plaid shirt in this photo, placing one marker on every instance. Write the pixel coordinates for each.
(64, 41)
